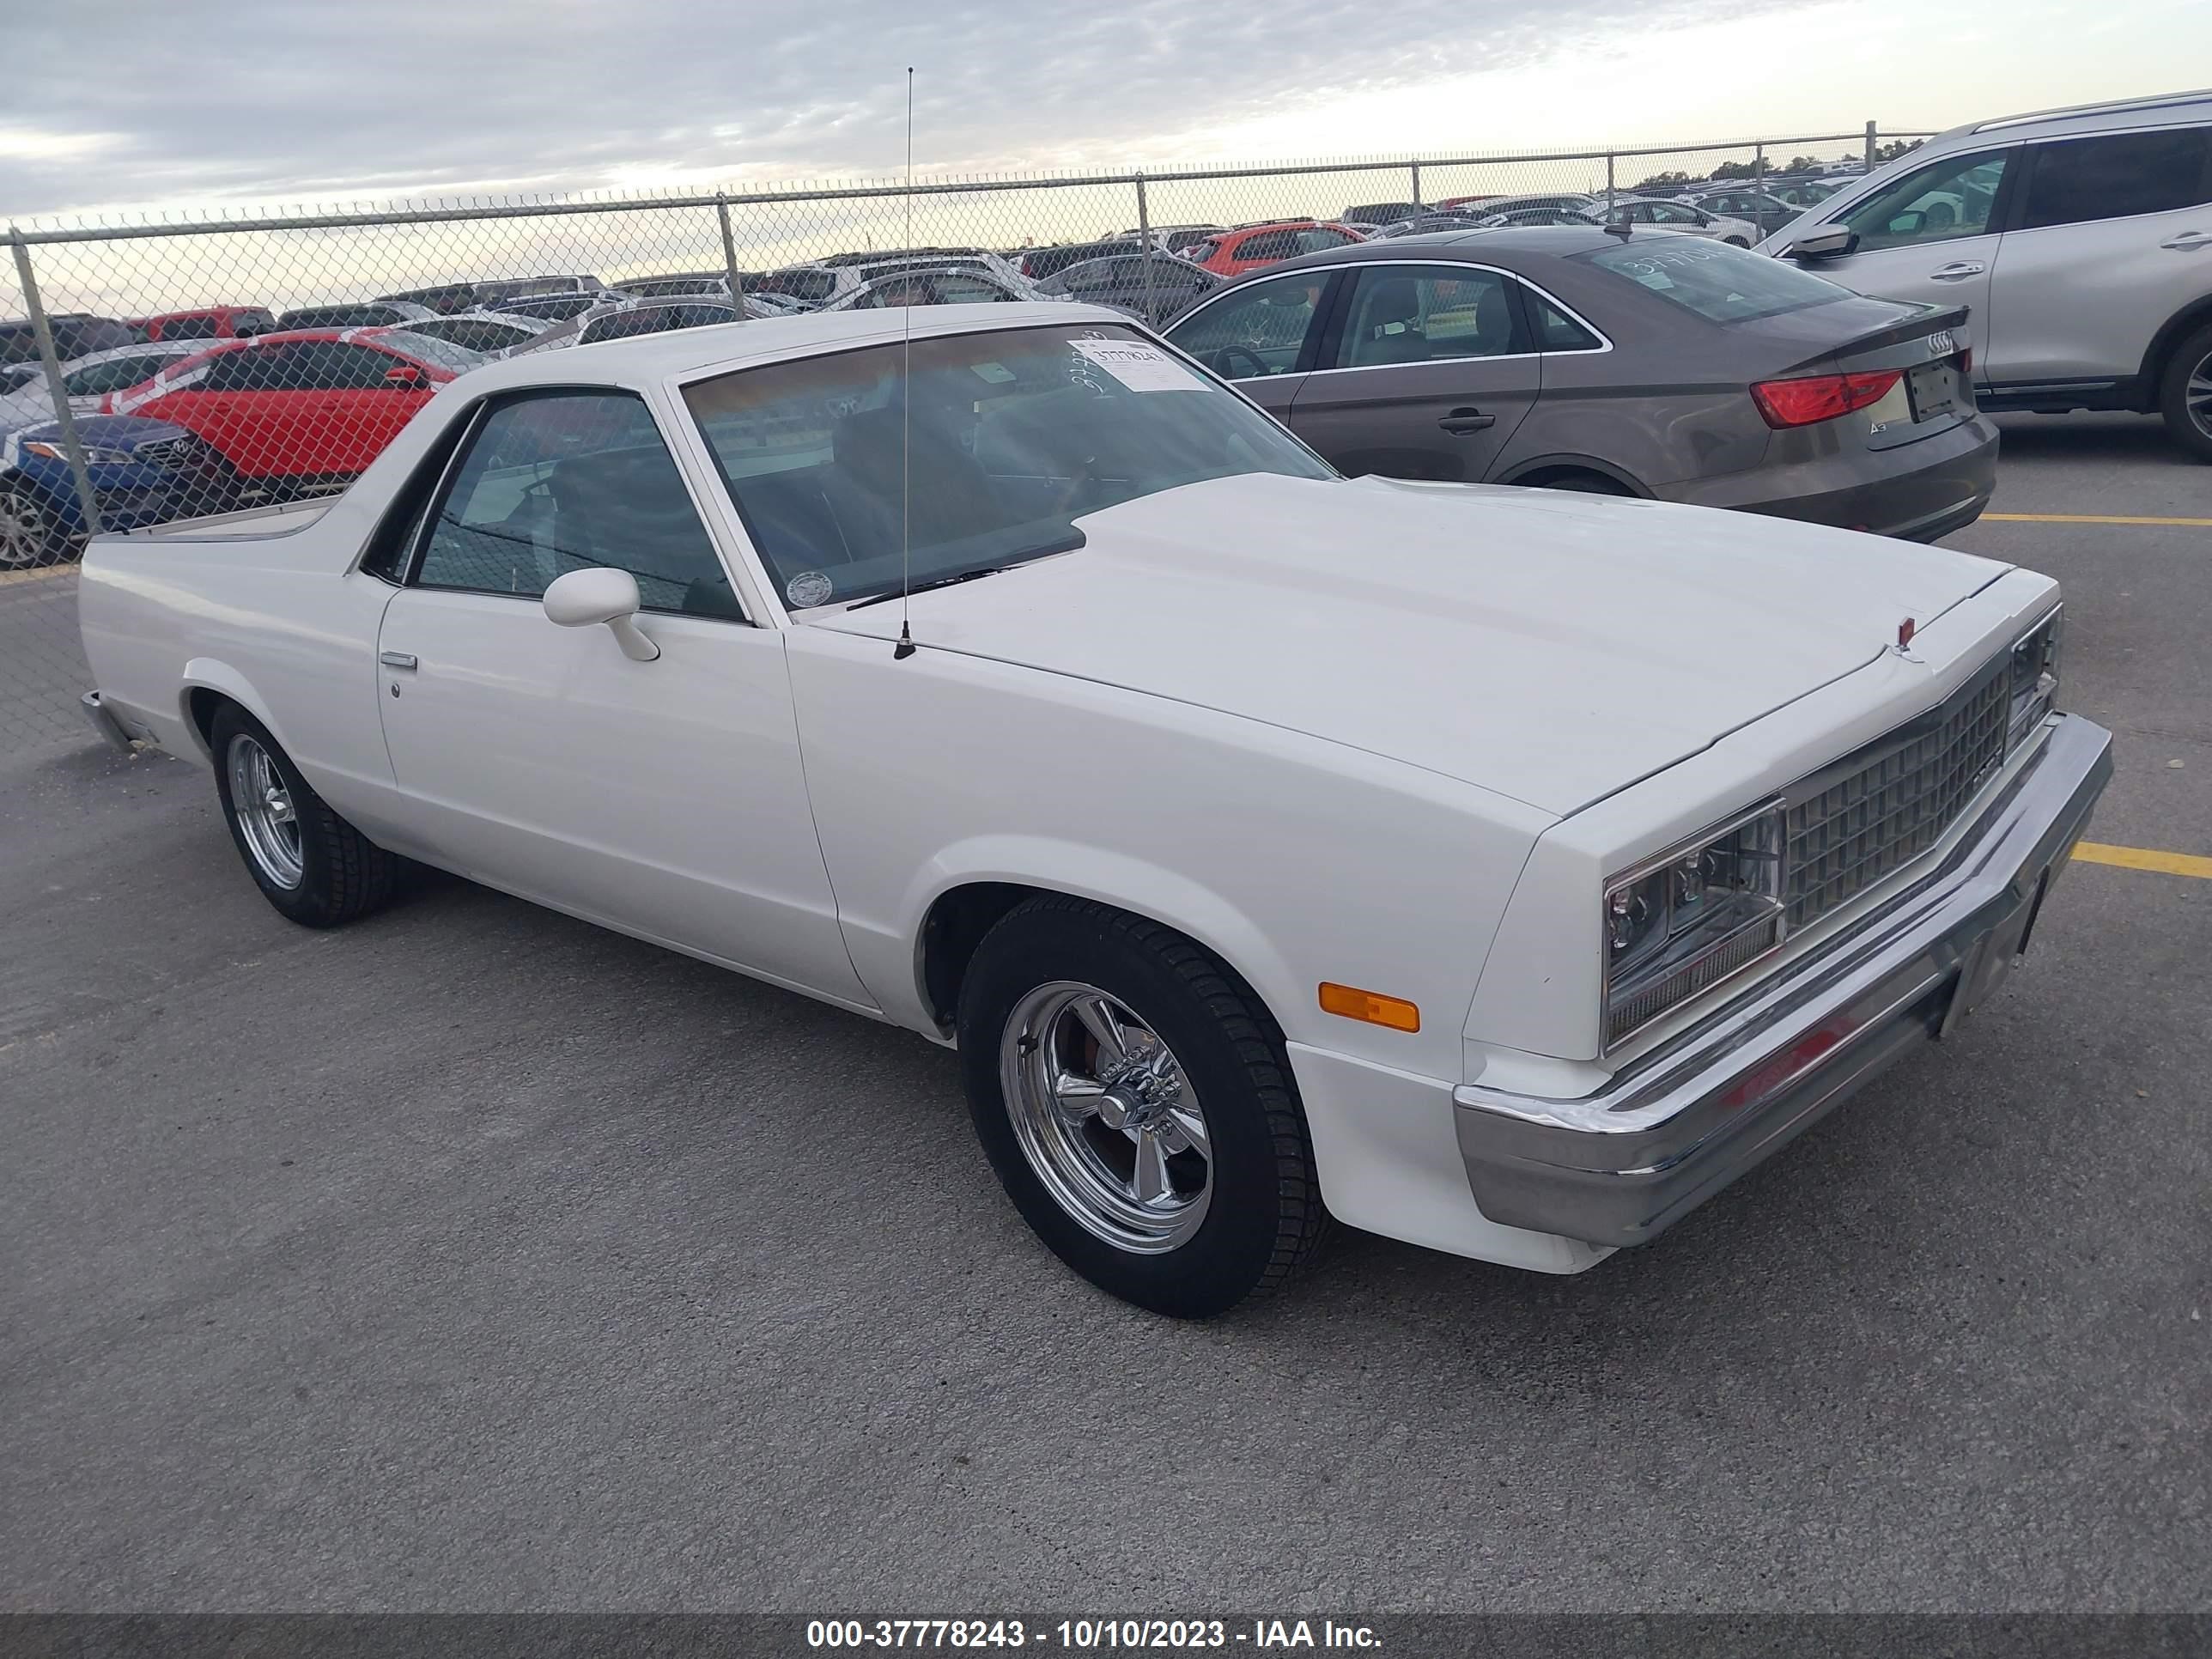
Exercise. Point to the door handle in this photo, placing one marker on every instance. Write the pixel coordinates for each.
(396, 659)
(2189, 241)
(1958, 271)
(1462, 421)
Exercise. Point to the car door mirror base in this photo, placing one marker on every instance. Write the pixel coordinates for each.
(601, 597)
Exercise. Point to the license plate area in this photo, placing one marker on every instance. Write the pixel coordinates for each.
(1933, 391)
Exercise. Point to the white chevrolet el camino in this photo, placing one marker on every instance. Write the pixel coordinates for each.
(1498, 869)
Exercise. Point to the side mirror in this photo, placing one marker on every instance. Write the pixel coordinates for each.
(1823, 245)
(405, 374)
(587, 598)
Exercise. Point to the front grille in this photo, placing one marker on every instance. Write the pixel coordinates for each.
(1857, 829)
(169, 452)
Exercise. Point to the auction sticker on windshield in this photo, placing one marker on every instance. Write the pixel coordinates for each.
(1140, 367)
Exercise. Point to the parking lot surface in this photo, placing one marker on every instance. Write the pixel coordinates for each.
(475, 1258)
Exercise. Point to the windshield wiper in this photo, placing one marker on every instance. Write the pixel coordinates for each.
(957, 576)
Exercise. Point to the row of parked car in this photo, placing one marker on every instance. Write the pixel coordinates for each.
(1543, 339)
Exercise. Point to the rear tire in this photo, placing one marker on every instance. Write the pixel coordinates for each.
(1735, 241)
(1199, 1095)
(312, 865)
(2184, 395)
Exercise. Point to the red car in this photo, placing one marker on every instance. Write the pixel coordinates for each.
(1247, 247)
(208, 323)
(303, 408)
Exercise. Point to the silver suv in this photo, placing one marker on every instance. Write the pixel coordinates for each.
(2080, 238)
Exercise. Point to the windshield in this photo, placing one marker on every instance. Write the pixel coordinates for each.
(1720, 284)
(1009, 438)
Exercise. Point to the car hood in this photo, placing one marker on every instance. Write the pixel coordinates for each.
(1550, 647)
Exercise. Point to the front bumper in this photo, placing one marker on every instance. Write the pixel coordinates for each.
(1670, 1131)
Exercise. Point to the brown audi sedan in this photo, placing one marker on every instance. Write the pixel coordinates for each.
(1626, 361)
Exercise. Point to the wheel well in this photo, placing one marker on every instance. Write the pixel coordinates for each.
(2176, 328)
(961, 916)
(950, 932)
(200, 704)
(1544, 476)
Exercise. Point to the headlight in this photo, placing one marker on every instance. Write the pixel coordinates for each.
(92, 457)
(2034, 676)
(1678, 923)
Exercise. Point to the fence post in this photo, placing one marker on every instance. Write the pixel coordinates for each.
(1608, 181)
(730, 251)
(1758, 163)
(1144, 243)
(1870, 147)
(1417, 183)
(87, 501)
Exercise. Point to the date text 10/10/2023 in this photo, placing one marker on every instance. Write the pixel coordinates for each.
(1088, 1635)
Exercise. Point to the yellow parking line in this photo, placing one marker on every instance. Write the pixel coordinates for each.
(2088, 518)
(2140, 858)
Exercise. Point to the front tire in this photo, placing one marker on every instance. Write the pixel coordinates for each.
(2184, 399)
(29, 537)
(310, 864)
(1134, 1099)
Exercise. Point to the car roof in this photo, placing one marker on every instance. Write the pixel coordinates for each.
(2153, 111)
(684, 353)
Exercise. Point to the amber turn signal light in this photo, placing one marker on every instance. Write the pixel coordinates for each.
(1376, 1009)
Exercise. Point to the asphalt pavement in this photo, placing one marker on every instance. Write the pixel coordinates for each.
(474, 1258)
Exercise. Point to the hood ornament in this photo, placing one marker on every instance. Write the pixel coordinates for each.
(1904, 635)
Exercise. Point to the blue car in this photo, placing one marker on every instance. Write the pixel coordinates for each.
(143, 471)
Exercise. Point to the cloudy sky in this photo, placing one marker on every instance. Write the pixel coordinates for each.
(133, 105)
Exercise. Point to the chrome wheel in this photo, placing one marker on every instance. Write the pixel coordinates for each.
(23, 536)
(2196, 396)
(1107, 1119)
(262, 802)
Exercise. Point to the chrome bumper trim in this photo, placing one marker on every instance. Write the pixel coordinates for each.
(1620, 1166)
(95, 711)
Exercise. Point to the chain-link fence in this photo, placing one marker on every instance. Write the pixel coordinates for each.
(158, 371)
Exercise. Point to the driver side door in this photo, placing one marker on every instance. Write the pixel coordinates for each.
(664, 799)
(1262, 335)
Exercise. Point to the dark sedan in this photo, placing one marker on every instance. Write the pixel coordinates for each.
(1617, 362)
(1121, 281)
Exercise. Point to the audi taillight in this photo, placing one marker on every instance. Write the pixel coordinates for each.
(1814, 397)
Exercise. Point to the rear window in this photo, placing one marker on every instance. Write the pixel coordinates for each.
(1720, 284)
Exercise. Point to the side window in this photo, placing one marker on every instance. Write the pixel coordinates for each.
(1317, 241)
(563, 481)
(354, 368)
(117, 375)
(1255, 331)
(1427, 313)
(2118, 177)
(252, 368)
(1268, 245)
(401, 526)
(189, 328)
(1555, 329)
(957, 288)
(1945, 199)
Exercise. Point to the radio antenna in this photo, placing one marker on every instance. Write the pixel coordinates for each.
(904, 649)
